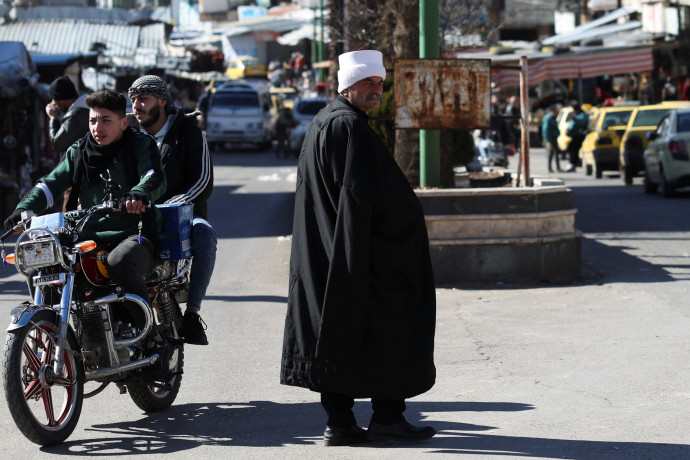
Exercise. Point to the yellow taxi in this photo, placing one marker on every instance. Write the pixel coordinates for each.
(600, 149)
(643, 119)
(286, 94)
(245, 67)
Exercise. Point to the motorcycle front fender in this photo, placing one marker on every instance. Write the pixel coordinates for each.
(21, 315)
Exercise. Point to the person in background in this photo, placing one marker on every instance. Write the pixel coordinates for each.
(550, 133)
(68, 114)
(513, 110)
(669, 91)
(69, 122)
(283, 124)
(361, 310)
(577, 130)
(189, 173)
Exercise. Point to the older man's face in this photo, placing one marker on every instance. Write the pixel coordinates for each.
(366, 94)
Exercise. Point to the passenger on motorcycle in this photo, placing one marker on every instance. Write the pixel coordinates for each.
(110, 151)
(189, 174)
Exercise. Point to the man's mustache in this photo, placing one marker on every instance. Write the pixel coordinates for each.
(371, 97)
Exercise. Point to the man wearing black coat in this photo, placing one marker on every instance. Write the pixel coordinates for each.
(361, 303)
(188, 169)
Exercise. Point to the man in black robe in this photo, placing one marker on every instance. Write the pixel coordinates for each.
(361, 303)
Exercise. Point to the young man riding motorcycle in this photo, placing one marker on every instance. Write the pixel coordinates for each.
(110, 151)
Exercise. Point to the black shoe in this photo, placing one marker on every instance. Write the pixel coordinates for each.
(334, 436)
(192, 329)
(402, 431)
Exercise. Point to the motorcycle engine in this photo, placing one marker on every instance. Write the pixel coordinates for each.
(95, 324)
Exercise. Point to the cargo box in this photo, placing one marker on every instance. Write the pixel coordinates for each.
(176, 230)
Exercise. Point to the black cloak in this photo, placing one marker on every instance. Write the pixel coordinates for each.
(361, 304)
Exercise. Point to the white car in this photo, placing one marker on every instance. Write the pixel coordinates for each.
(304, 111)
(666, 158)
(240, 113)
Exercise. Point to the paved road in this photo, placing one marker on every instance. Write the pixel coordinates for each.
(595, 369)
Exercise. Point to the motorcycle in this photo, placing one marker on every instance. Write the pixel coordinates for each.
(93, 333)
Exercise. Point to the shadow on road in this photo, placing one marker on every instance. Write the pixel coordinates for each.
(268, 424)
(251, 215)
(248, 298)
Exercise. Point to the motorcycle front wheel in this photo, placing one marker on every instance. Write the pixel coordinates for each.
(45, 412)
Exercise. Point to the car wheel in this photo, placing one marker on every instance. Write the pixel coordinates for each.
(597, 170)
(649, 186)
(627, 175)
(667, 190)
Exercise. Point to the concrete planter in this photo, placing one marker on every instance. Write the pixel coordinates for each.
(509, 234)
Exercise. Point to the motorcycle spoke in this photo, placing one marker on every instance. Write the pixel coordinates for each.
(32, 388)
(48, 404)
(32, 359)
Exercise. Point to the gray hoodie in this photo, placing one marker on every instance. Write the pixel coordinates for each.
(73, 126)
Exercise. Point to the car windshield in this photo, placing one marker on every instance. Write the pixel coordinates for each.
(649, 117)
(235, 99)
(310, 107)
(248, 62)
(616, 118)
(683, 122)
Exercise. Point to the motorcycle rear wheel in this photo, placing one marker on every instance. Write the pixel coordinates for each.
(45, 414)
(151, 398)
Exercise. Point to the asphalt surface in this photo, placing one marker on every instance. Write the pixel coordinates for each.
(596, 369)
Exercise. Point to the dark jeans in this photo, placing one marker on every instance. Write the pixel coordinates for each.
(339, 410)
(553, 152)
(574, 149)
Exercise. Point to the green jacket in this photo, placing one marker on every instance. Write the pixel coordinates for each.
(149, 176)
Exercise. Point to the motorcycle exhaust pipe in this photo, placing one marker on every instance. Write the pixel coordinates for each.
(100, 373)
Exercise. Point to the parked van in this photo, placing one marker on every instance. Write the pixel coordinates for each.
(240, 113)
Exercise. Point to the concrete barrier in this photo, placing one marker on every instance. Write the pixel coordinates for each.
(509, 234)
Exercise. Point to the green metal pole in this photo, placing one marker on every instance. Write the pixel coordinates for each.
(314, 56)
(429, 139)
(321, 44)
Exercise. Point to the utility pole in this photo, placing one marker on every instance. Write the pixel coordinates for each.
(584, 16)
(429, 139)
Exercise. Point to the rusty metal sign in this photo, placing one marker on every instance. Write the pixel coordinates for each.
(442, 93)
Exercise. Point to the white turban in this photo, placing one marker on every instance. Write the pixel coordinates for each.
(358, 65)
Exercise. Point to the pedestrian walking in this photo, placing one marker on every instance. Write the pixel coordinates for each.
(361, 303)
(549, 133)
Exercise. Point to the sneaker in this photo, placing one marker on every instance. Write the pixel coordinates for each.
(192, 329)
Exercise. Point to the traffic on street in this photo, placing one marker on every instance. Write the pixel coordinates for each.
(523, 370)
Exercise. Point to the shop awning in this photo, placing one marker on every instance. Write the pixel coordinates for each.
(581, 65)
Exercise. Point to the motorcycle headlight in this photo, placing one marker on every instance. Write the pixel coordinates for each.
(40, 253)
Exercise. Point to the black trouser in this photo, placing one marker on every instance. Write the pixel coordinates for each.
(574, 149)
(128, 264)
(339, 410)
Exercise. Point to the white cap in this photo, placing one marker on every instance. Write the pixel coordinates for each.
(358, 65)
